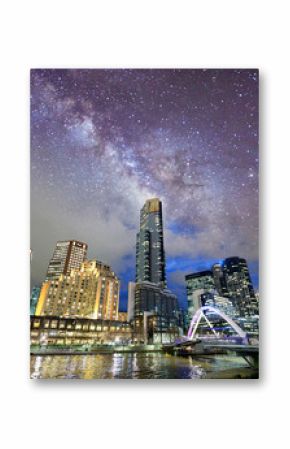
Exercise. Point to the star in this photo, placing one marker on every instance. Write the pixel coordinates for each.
(104, 141)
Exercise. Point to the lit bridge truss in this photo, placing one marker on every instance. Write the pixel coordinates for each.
(200, 314)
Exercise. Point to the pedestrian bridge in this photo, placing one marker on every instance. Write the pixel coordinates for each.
(215, 343)
(200, 314)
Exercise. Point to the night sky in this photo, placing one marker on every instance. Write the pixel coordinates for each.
(104, 141)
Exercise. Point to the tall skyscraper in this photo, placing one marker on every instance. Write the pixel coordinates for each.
(239, 286)
(156, 311)
(67, 255)
(89, 292)
(150, 256)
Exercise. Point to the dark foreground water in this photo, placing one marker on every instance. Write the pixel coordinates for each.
(138, 366)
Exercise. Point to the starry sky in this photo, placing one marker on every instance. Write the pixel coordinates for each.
(104, 141)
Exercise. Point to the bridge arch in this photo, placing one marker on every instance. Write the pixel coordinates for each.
(199, 314)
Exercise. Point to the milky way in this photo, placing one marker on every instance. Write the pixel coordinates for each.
(103, 141)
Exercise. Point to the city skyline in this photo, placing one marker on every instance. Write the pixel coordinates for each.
(104, 141)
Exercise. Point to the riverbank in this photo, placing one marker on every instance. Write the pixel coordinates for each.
(122, 350)
(105, 349)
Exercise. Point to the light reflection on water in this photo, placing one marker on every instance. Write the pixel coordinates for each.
(129, 366)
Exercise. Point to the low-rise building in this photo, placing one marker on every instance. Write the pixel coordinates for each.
(57, 331)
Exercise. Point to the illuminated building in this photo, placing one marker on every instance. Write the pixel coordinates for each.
(239, 286)
(150, 256)
(68, 255)
(123, 316)
(250, 324)
(157, 318)
(197, 284)
(51, 331)
(219, 280)
(155, 313)
(211, 299)
(34, 298)
(92, 292)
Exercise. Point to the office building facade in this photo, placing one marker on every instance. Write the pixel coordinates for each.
(239, 287)
(155, 313)
(59, 331)
(212, 299)
(197, 284)
(157, 318)
(90, 292)
(219, 279)
(68, 255)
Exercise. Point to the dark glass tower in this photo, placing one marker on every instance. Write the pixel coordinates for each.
(196, 284)
(156, 314)
(219, 279)
(239, 286)
(150, 256)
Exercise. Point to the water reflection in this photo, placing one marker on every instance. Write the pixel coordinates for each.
(131, 366)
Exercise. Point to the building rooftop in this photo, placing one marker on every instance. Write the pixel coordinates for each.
(198, 274)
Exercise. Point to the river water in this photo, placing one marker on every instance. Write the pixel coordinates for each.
(138, 366)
